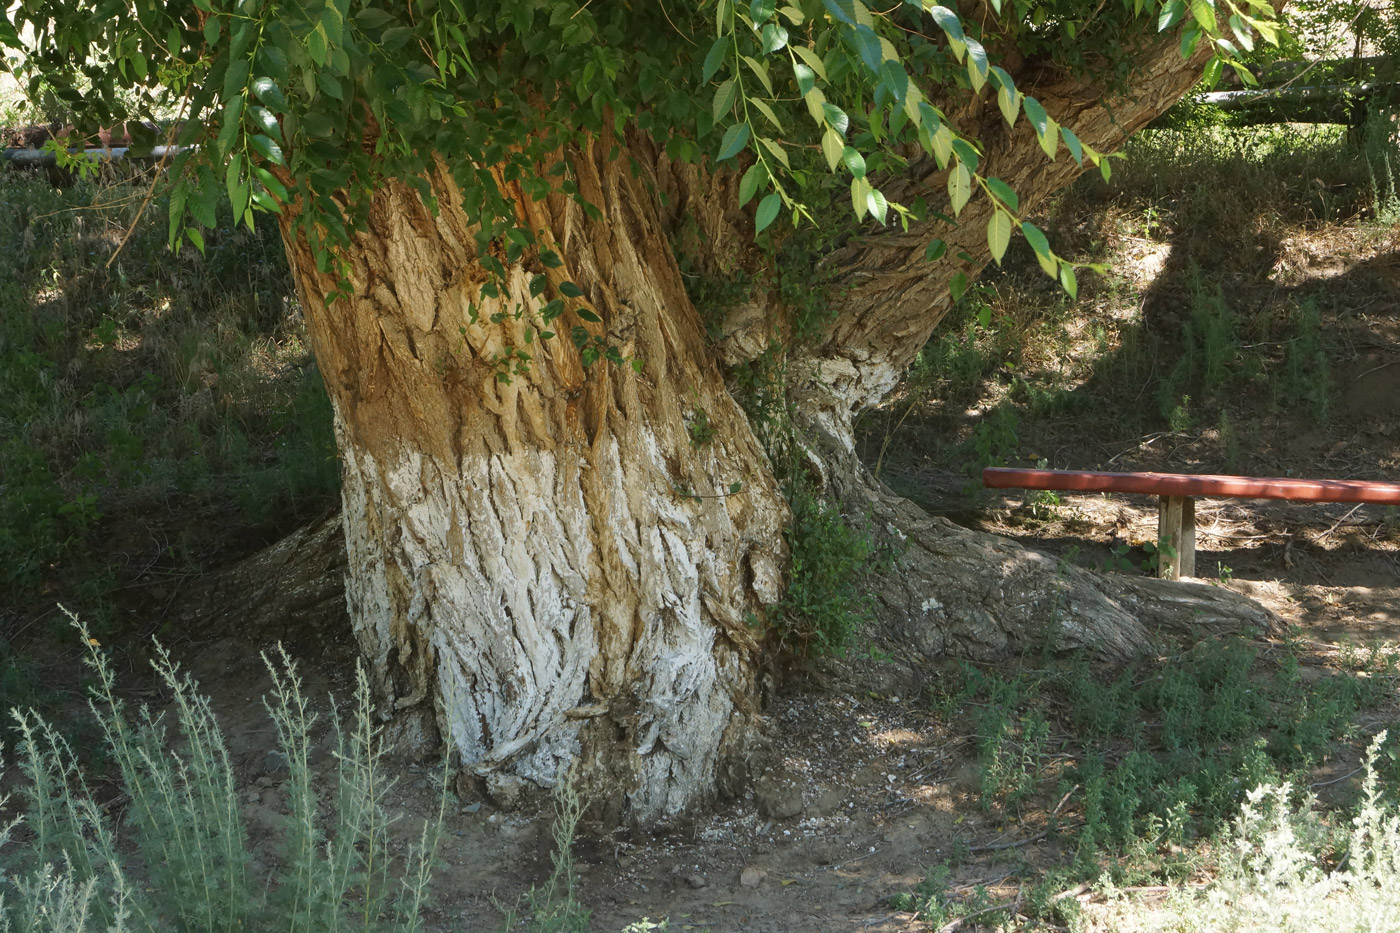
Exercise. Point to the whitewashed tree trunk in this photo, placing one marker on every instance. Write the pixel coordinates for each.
(556, 563)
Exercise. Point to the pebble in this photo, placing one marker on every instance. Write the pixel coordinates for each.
(752, 876)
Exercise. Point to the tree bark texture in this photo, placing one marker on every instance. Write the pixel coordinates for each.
(556, 562)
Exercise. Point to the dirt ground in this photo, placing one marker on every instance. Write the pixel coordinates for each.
(866, 787)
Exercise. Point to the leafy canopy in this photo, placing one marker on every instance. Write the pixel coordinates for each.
(319, 101)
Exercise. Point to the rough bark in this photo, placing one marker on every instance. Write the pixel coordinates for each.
(555, 563)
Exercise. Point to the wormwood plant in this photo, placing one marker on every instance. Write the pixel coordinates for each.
(190, 870)
(1280, 869)
(1162, 754)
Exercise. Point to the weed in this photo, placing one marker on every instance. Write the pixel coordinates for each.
(1163, 752)
(184, 821)
(825, 605)
(554, 907)
(161, 385)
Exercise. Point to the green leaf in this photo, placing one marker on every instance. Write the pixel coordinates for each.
(836, 118)
(776, 148)
(268, 149)
(1008, 98)
(854, 162)
(1172, 12)
(714, 59)
(1004, 193)
(977, 66)
(1073, 144)
(570, 290)
(229, 125)
(957, 287)
(265, 121)
(588, 315)
(1050, 139)
(1040, 120)
(749, 184)
(760, 71)
(762, 107)
(935, 250)
(1204, 14)
(1068, 281)
(1041, 245)
(373, 19)
(550, 259)
(735, 139)
(237, 186)
(724, 99)
(767, 211)
(195, 237)
(959, 187)
(211, 31)
(811, 59)
(832, 147)
(329, 85)
(876, 204)
(270, 94)
(843, 11)
(806, 78)
(735, 487)
(999, 234)
(774, 37)
(317, 47)
(948, 21)
(867, 46)
(760, 11)
(1211, 76)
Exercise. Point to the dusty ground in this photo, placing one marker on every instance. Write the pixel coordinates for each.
(869, 788)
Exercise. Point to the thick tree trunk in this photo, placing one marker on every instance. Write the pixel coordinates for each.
(555, 562)
(556, 566)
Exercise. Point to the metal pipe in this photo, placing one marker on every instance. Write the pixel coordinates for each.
(43, 157)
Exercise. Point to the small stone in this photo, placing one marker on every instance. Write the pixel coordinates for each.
(779, 796)
(472, 807)
(505, 790)
(254, 798)
(828, 801)
(275, 761)
(697, 881)
(264, 781)
(752, 876)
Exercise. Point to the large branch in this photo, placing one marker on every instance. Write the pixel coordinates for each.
(892, 297)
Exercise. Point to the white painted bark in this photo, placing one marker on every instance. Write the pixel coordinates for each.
(554, 563)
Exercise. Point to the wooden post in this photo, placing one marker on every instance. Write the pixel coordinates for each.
(1176, 537)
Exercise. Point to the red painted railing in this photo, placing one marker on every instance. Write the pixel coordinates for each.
(1185, 484)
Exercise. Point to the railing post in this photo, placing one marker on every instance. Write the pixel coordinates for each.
(1176, 537)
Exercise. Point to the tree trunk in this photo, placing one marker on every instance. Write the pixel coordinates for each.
(554, 558)
(556, 563)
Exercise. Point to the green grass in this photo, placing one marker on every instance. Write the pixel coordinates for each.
(1135, 774)
(152, 412)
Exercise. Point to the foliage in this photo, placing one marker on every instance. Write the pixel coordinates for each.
(71, 876)
(825, 604)
(307, 106)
